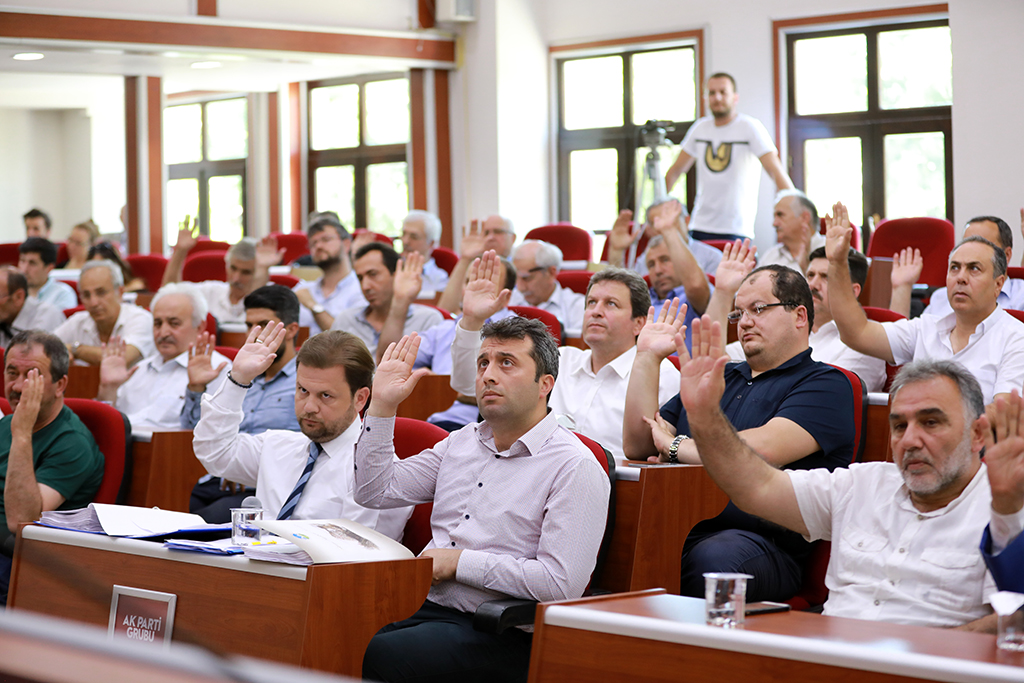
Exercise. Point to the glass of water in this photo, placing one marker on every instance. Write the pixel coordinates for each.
(245, 528)
(1010, 634)
(725, 599)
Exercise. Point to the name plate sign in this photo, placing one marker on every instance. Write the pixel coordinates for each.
(142, 615)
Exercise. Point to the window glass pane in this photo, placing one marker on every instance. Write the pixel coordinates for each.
(336, 191)
(593, 92)
(387, 201)
(183, 134)
(593, 188)
(334, 117)
(678, 190)
(226, 208)
(664, 86)
(831, 74)
(832, 169)
(387, 112)
(182, 205)
(915, 175)
(227, 129)
(915, 68)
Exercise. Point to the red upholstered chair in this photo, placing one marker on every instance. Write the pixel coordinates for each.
(207, 265)
(9, 253)
(576, 280)
(411, 437)
(288, 281)
(546, 317)
(1015, 272)
(295, 244)
(228, 351)
(448, 315)
(377, 236)
(884, 315)
(933, 236)
(150, 267)
(68, 312)
(1019, 315)
(576, 243)
(445, 258)
(205, 244)
(62, 252)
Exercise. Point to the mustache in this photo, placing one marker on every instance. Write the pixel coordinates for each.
(165, 340)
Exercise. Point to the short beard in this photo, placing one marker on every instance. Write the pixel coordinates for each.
(958, 463)
(329, 262)
(325, 432)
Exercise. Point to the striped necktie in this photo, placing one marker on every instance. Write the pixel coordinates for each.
(288, 508)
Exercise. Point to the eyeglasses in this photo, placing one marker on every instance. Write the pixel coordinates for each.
(530, 274)
(757, 310)
(494, 232)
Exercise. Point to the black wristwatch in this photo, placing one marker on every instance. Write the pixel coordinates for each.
(673, 450)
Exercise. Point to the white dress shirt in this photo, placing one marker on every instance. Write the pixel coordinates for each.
(346, 294)
(274, 460)
(827, 347)
(218, 298)
(435, 279)
(889, 561)
(134, 325)
(780, 255)
(994, 354)
(153, 397)
(38, 315)
(565, 304)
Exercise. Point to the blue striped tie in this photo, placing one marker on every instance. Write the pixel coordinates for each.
(288, 508)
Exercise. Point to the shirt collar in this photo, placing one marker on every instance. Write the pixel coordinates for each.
(744, 368)
(337, 446)
(529, 443)
(620, 365)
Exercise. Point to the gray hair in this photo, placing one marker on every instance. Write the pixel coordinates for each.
(545, 348)
(116, 276)
(547, 256)
(431, 223)
(805, 204)
(54, 348)
(243, 250)
(199, 306)
(999, 262)
(930, 368)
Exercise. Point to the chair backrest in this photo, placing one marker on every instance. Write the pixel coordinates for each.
(933, 236)
(228, 351)
(860, 411)
(62, 252)
(377, 236)
(1019, 315)
(206, 265)
(607, 461)
(203, 245)
(576, 243)
(576, 280)
(411, 437)
(884, 315)
(68, 312)
(149, 267)
(546, 317)
(9, 253)
(813, 590)
(448, 315)
(288, 281)
(295, 244)
(445, 258)
(1015, 272)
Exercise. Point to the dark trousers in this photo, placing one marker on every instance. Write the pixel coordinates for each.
(213, 504)
(439, 644)
(5, 577)
(705, 236)
(777, 576)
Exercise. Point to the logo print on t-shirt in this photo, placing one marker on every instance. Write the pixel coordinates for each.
(718, 160)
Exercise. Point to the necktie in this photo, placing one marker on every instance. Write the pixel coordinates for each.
(288, 508)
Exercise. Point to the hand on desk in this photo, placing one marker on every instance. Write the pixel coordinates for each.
(446, 562)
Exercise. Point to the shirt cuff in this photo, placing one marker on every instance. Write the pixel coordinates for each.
(229, 395)
(472, 568)
(378, 430)
(1003, 529)
(464, 337)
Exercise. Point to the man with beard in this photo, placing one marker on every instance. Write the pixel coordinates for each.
(338, 289)
(307, 475)
(726, 147)
(905, 533)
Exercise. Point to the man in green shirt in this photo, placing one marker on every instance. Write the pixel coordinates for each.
(48, 459)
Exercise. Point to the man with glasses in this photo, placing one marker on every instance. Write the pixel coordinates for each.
(323, 299)
(795, 412)
(537, 264)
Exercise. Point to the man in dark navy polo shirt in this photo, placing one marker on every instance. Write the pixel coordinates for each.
(793, 411)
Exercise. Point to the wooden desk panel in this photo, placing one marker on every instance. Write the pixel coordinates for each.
(876, 437)
(83, 381)
(164, 471)
(432, 394)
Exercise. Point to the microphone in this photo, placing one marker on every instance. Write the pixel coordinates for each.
(252, 502)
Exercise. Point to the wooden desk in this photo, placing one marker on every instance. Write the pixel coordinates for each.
(432, 394)
(655, 509)
(164, 470)
(83, 381)
(321, 617)
(876, 436)
(656, 637)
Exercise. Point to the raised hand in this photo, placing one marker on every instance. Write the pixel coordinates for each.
(1003, 424)
(472, 244)
(701, 376)
(838, 233)
(665, 216)
(200, 363)
(29, 401)
(258, 353)
(113, 367)
(906, 267)
(663, 434)
(267, 253)
(659, 332)
(408, 277)
(186, 236)
(620, 238)
(395, 378)
(738, 259)
(483, 295)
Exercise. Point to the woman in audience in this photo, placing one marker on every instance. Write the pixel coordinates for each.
(81, 239)
(105, 250)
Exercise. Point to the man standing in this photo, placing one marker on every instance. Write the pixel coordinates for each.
(726, 147)
(421, 231)
(101, 286)
(519, 507)
(338, 288)
(537, 265)
(389, 291)
(37, 256)
(37, 224)
(19, 311)
(48, 459)
(152, 394)
(797, 231)
(297, 475)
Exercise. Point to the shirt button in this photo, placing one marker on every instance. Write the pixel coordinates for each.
(749, 383)
(877, 602)
(467, 516)
(480, 485)
(860, 544)
(453, 545)
(903, 550)
(496, 455)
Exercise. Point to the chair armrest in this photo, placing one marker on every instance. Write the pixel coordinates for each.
(496, 616)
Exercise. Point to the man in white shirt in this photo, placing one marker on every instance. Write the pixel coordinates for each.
(248, 268)
(421, 231)
(101, 286)
(19, 311)
(977, 333)
(152, 393)
(591, 390)
(338, 288)
(904, 534)
(537, 265)
(494, 233)
(307, 475)
(727, 147)
(37, 257)
(797, 231)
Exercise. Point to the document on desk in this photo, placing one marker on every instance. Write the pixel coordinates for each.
(327, 540)
(124, 520)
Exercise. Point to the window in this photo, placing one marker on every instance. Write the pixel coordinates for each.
(358, 131)
(604, 102)
(870, 119)
(205, 147)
